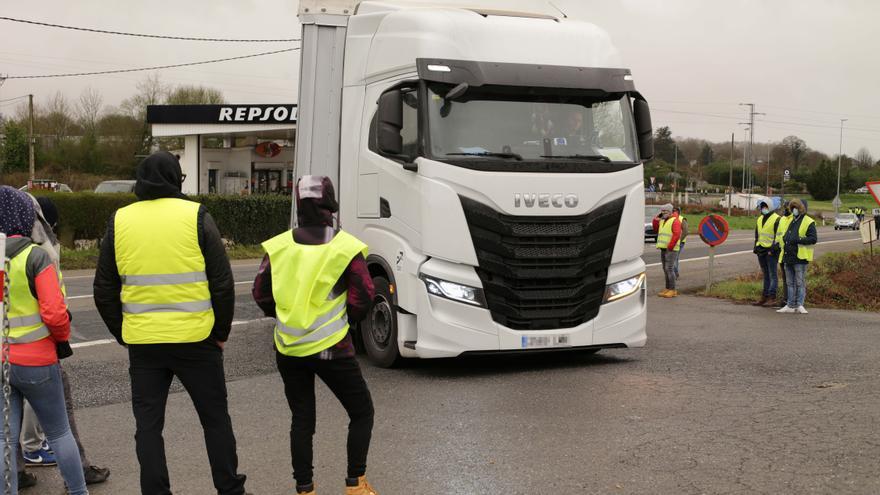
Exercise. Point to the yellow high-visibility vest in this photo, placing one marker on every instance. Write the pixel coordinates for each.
(804, 252)
(665, 234)
(25, 323)
(165, 296)
(309, 316)
(766, 235)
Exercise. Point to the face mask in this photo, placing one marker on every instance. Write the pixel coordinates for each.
(795, 212)
(764, 211)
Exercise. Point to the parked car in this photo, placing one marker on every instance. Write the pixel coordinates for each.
(862, 190)
(116, 186)
(651, 211)
(46, 185)
(846, 221)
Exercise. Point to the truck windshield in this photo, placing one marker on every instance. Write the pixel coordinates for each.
(532, 125)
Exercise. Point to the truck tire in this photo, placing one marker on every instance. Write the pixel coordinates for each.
(379, 328)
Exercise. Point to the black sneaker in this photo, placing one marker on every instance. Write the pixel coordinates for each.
(26, 479)
(95, 475)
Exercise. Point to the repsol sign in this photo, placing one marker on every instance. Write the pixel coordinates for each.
(545, 200)
(222, 114)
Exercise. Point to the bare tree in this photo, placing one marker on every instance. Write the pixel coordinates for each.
(864, 158)
(194, 95)
(150, 91)
(57, 117)
(796, 148)
(88, 108)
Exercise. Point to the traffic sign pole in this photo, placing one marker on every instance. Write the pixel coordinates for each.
(711, 268)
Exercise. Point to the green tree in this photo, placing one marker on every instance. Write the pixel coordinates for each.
(822, 183)
(14, 151)
(664, 145)
(194, 95)
(707, 156)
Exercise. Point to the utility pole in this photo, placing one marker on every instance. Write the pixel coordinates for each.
(768, 168)
(730, 184)
(839, 158)
(752, 114)
(675, 175)
(31, 138)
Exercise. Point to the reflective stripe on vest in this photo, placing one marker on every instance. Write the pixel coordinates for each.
(805, 252)
(766, 235)
(303, 277)
(665, 234)
(25, 323)
(165, 295)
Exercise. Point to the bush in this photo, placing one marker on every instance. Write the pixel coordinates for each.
(241, 219)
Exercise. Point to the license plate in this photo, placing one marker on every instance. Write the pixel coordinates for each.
(542, 341)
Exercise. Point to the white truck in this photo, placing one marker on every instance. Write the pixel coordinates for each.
(492, 161)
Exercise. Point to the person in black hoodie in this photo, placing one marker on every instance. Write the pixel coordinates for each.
(768, 252)
(150, 290)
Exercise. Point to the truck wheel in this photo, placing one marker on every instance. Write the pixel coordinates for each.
(379, 329)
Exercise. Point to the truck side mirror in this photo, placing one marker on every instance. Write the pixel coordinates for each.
(390, 115)
(644, 131)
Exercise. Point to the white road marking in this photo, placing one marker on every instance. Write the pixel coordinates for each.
(89, 296)
(749, 252)
(91, 343)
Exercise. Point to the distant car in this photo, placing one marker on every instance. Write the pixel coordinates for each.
(47, 185)
(116, 186)
(846, 221)
(651, 211)
(862, 190)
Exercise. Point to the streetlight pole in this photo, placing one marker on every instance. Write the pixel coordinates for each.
(839, 158)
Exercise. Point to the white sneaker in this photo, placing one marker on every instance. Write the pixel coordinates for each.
(786, 309)
(801, 310)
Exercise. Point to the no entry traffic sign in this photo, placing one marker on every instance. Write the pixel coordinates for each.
(714, 230)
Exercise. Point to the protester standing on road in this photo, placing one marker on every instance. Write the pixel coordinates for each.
(165, 290)
(35, 451)
(767, 250)
(877, 221)
(39, 326)
(668, 228)
(684, 235)
(314, 281)
(799, 240)
(784, 221)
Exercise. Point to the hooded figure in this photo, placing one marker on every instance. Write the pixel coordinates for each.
(331, 357)
(798, 240)
(167, 247)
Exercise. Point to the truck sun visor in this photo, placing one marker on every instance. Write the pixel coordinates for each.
(508, 74)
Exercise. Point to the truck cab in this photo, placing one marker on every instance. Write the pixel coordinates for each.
(492, 161)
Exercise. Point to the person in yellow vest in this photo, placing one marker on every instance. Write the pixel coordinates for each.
(784, 221)
(767, 251)
(684, 236)
(668, 228)
(164, 288)
(799, 240)
(314, 281)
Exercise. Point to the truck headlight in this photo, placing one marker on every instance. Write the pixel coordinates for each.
(454, 291)
(628, 287)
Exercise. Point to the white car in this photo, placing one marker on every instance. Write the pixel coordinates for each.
(862, 190)
(846, 221)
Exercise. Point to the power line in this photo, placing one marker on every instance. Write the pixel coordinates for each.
(158, 67)
(12, 99)
(142, 35)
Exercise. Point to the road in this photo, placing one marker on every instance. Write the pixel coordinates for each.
(724, 399)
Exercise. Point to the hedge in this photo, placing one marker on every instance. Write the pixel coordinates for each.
(241, 219)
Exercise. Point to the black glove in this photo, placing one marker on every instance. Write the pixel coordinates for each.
(63, 349)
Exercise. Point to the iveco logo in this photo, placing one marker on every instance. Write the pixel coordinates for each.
(545, 200)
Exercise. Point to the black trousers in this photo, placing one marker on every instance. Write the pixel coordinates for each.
(343, 377)
(199, 367)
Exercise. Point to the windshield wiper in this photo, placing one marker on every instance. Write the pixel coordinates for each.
(493, 154)
(597, 158)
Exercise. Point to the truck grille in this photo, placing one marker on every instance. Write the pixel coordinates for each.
(542, 273)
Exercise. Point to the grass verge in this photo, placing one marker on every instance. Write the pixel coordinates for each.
(87, 259)
(836, 281)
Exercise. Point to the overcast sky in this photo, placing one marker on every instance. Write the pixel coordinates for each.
(805, 63)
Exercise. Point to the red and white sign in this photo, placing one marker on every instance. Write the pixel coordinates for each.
(874, 187)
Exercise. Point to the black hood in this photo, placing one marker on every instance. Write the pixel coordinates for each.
(159, 176)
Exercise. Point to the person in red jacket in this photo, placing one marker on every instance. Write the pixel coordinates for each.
(35, 286)
(668, 228)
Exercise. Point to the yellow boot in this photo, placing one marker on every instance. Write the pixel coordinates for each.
(306, 490)
(663, 293)
(672, 293)
(362, 487)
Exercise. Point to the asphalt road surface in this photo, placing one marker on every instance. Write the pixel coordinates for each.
(723, 399)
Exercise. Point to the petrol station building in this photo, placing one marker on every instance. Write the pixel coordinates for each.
(231, 149)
